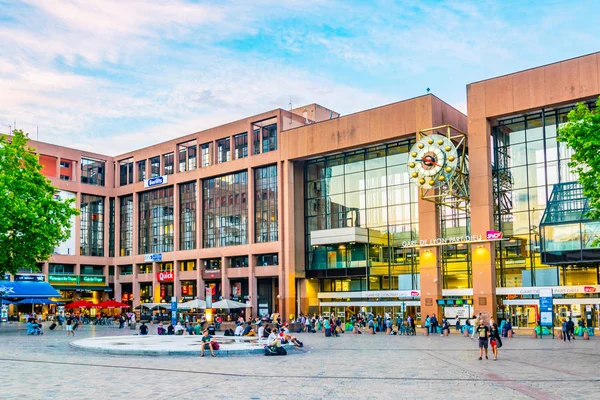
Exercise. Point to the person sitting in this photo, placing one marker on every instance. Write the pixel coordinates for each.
(159, 329)
(179, 329)
(212, 330)
(197, 329)
(239, 329)
(207, 341)
(189, 328)
(170, 329)
(143, 329)
(249, 330)
(273, 339)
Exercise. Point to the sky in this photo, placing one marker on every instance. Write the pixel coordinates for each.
(112, 76)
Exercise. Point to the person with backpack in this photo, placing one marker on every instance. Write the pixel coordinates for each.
(483, 333)
(495, 340)
(565, 331)
(433, 323)
(571, 328)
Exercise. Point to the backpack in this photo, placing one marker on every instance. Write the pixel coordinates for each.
(228, 332)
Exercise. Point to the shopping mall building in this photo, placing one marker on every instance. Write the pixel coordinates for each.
(408, 208)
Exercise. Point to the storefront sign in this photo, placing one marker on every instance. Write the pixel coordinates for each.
(546, 309)
(157, 181)
(152, 257)
(165, 276)
(555, 290)
(29, 278)
(93, 280)
(385, 294)
(174, 310)
(69, 279)
(490, 236)
(5, 277)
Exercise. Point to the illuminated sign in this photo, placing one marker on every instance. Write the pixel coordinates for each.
(29, 278)
(152, 257)
(165, 276)
(69, 279)
(93, 279)
(490, 236)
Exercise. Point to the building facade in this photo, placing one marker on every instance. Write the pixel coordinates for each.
(307, 211)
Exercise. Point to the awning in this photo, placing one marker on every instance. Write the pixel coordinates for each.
(27, 289)
(83, 288)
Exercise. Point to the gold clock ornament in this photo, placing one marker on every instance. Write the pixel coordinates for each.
(432, 161)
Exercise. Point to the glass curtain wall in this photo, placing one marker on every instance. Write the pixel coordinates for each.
(265, 204)
(126, 228)
(155, 219)
(240, 146)
(92, 171)
(141, 168)
(527, 162)
(92, 225)
(456, 258)
(187, 216)
(155, 167)
(111, 227)
(371, 189)
(225, 210)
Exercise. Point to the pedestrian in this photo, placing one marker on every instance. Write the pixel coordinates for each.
(457, 324)
(427, 323)
(69, 325)
(495, 340)
(571, 328)
(565, 331)
(207, 341)
(477, 322)
(433, 323)
(483, 334)
(121, 321)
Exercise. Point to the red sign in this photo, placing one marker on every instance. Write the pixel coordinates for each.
(415, 294)
(492, 235)
(184, 290)
(163, 291)
(166, 276)
(589, 289)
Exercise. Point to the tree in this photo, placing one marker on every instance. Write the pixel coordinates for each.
(582, 134)
(32, 221)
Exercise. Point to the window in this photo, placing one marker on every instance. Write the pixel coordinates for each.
(92, 226)
(256, 141)
(65, 178)
(212, 264)
(125, 172)
(126, 228)
(156, 233)
(168, 160)
(125, 270)
(225, 200)
(165, 267)
(187, 266)
(92, 171)
(187, 156)
(111, 227)
(144, 269)
(65, 164)
(240, 146)
(238, 262)
(265, 204)
(269, 138)
(265, 260)
(205, 150)
(155, 167)
(223, 150)
(61, 269)
(92, 270)
(187, 216)
(141, 167)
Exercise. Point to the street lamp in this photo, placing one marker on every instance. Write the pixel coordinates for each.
(9, 128)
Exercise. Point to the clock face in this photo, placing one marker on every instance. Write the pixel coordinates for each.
(432, 161)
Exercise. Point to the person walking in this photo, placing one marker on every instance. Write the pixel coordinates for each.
(571, 328)
(495, 339)
(69, 325)
(427, 323)
(477, 322)
(483, 334)
(565, 331)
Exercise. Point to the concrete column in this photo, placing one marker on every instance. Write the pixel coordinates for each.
(199, 213)
(252, 285)
(225, 284)
(136, 287)
(176, 232)
(176, 279)
(155, 283)
(118, 292)
(200, 293)
(285, 213)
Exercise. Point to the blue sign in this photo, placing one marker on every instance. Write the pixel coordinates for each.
(174, 310)
(5, 277)
(29, 278)
(152, 257)
(546, 307)
(157, 181)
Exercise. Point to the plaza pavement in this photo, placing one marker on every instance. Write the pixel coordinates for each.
(348, 367)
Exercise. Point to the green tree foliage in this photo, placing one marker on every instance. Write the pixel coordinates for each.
(582, 134)
(32, 221)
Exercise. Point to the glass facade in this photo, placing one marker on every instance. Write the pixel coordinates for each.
(527, 162)
(92, 225)
(125, 172)
(223, 150)
(265, 204)
(169, 160)
(186, 156)
(111, 227)
(225, 210)
(141, 169)
(269, 138)
(455, 258)
(205, 154)
(187, 216)
(155, 216)
(256, 141)
(240, 146)
(92, 171)
(238, 262)
(370, 189)
(126, 225)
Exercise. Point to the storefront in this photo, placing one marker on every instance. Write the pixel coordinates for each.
(188, 290)
(521, 304)
(80, 287)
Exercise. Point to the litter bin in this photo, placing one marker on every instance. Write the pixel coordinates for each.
(133, 326)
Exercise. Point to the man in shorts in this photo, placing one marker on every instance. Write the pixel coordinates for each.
(483, 332)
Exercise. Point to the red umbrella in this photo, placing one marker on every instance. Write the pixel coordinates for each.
(112, 304)
(80, 304)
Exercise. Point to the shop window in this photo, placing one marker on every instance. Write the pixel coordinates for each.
(145, 269)
(165, 267)
(212, 264)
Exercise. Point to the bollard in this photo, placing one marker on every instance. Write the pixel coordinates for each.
(466, 334)
(534, 334)
(446, 332)
(426, 332)
(510, 333)
(586, 335)
(559, 335)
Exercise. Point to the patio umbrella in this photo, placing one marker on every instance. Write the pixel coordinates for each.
(188, 305)
(4, 301)
(80, 304)
(36, 301)
(228, 304)
(112, 304)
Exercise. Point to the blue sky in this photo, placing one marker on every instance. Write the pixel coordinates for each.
(112, 75)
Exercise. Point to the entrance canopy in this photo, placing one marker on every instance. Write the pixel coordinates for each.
(20, 290)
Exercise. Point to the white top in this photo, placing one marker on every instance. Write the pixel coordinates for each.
(178, 328)
(272, 337)
(239, 330)
(261, 331)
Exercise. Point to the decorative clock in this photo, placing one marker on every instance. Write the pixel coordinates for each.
(432, 161)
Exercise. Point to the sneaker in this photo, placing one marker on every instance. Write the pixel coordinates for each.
(495, 359)
(486, 357)
(480, 358)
